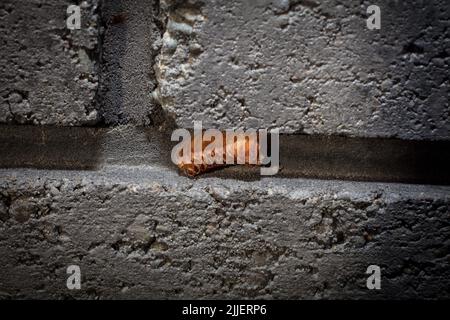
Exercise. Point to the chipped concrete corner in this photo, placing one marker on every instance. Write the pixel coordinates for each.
(113, 204)
(179, 49)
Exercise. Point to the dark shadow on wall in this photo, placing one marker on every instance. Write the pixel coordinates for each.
(113, 47)
(48, 147)
(355, 159)
(129, 41)
(82, 148)
(313, 157)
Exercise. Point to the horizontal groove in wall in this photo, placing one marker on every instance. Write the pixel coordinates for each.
(319, 157)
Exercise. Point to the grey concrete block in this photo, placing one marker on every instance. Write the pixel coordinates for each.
(308, 66)
(144, 232)
(100, 73)
(47, 72)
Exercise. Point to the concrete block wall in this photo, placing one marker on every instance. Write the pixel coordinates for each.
(85, 171)
(308, 67)
(49, 75)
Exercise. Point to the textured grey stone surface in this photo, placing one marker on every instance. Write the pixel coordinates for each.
(130, 43)
(304, 66)
(138, 229)
(100, 73)
(47, 72)
(142, 232)
(308, 66)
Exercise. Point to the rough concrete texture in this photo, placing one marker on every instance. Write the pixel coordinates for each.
(138, 229)
(308, 66)
(47, 72)
(148, 233)
(130, 43)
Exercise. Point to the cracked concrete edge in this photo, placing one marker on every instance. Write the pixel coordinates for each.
(146, 232)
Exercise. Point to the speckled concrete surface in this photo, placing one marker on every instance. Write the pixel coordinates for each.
(149, 233)
(107, 198)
